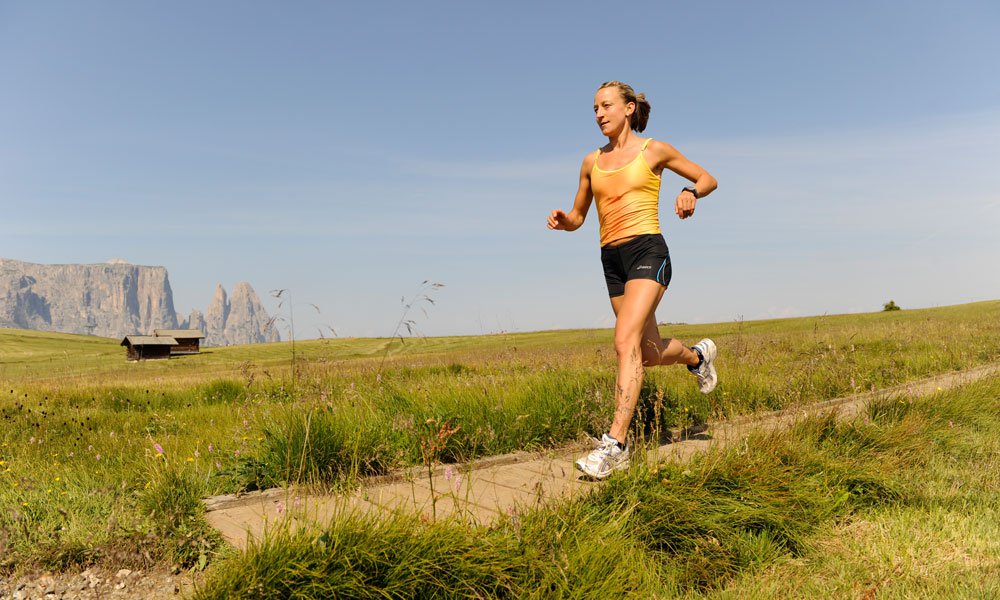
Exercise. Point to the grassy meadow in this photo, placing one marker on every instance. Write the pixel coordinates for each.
(104, 461)
(902, 502)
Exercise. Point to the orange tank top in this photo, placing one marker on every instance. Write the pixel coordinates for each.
(628, 198)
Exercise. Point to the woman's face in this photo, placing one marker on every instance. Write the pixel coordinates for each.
(611, 111)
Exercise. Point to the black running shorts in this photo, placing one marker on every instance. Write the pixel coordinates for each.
(645, 257)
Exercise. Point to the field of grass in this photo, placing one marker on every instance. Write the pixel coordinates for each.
(900, 503)
(103, 461)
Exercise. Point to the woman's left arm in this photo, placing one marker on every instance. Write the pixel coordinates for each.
(661, 156)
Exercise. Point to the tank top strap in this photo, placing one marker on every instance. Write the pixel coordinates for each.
(646, 143)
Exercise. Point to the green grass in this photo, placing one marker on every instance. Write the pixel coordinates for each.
(943, 541)
(824, 509)
(80, 425)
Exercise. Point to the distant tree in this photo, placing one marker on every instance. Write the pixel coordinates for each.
(890, 305)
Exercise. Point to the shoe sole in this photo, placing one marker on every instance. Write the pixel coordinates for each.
(709, 353)
(714, 378)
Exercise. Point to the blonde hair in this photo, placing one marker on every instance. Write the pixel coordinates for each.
(640, 116)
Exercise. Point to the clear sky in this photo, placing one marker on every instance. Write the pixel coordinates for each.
(348, 151)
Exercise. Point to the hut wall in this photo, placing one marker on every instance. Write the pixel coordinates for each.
(186, 346)
(151, 352)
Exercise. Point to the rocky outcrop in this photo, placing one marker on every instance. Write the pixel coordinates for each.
(215, 318)
(240, 319)
(110, 300)
(195, 320)
(116, 299)
(248, 322)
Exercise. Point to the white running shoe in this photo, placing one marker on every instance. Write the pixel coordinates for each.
(706, 372)
(607, 458)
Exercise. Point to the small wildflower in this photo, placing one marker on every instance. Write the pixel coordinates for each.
(190, 459)
(448, 473)
(211, 448)
(158, 448)
(58, 478)
(458, 482)
(279, 507)
(98, 457)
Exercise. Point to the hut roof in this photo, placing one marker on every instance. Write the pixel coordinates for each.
(179, 333)
(148, 340)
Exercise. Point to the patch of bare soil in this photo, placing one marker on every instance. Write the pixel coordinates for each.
(97, 584)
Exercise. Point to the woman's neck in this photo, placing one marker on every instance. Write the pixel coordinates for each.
(617, 142)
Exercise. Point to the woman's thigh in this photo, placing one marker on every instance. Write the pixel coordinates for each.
(635, 310)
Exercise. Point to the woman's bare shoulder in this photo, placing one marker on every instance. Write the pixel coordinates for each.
(661, 147)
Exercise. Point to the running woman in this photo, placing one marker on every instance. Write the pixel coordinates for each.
(624, 178)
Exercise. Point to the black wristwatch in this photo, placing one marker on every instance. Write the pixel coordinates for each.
(692, 190)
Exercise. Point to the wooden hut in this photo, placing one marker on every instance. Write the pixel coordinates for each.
(147, 347)
(188, 340)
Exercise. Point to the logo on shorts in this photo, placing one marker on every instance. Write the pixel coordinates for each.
(643, 267)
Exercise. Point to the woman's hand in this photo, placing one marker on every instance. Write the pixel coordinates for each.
(559, 220)
(684, 207)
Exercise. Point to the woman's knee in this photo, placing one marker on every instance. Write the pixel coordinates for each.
(627, 345)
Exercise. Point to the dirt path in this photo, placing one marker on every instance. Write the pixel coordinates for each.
(481, 491)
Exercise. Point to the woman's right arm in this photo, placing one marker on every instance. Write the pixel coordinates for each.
(584, 196)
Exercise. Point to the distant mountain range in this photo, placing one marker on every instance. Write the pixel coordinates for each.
(116, 299)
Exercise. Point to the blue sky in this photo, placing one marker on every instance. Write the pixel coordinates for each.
(348, 151)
